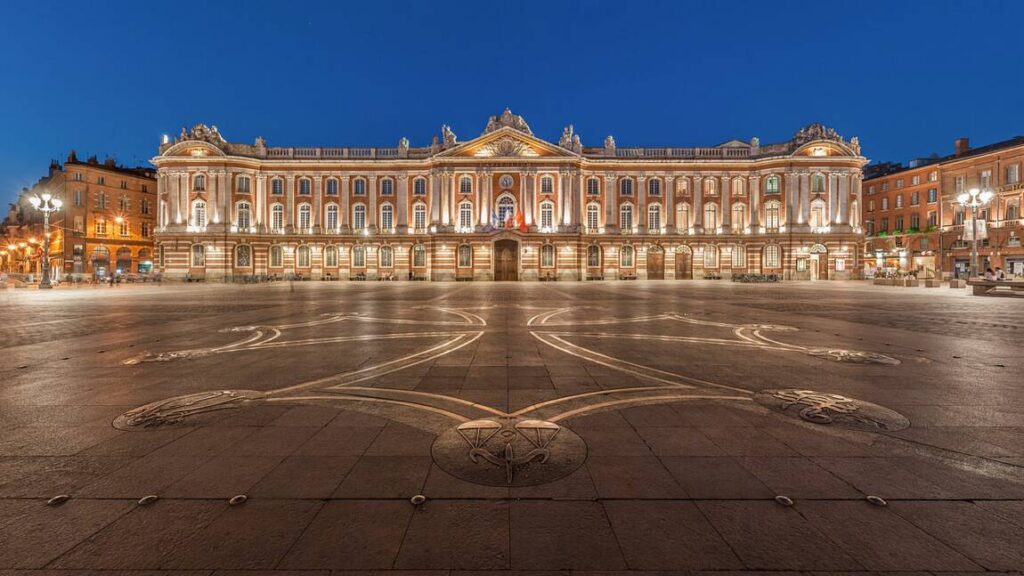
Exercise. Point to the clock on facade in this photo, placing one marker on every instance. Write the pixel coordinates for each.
(506, 181)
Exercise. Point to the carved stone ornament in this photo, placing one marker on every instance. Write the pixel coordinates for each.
(833, 410)
(507, 119)
(816, 132)
(204, 134)
(508, 147)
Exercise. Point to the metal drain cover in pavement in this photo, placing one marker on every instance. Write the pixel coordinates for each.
(509, 451)
(833, 410)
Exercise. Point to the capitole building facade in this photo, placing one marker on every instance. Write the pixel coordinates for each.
(509, 206)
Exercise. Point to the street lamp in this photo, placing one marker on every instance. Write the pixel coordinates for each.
(974, 199)
(46, 203)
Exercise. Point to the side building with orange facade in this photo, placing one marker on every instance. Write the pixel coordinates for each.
(508, 205)
(914, 223)
(106, 223)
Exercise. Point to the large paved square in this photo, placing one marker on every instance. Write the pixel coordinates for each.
(629, 426)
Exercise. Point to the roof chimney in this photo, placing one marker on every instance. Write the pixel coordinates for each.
(961, 146)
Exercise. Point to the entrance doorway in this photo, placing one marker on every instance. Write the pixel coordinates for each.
(819, 262)
(506, 260)
(655, 263)
(684, 264)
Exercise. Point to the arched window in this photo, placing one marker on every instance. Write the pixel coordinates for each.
(331, 216)
(276, 257)
(547, 256)
(331, 257)
(710, 256)
(771, 185)
(387, 187)
(739, 256)
(419, 216)
(654, 218)
(303, 221)
(359, 186)
(626, 187)
(772, 215)
(419, 187)
(626, 257)
(277, 217)
(593, 217)
(198, 256)
(465, 185)
(387, 217)
(359, 217)
(332, 186)
(277, 186)
(683, 186)
(124, 260)
(199, 183)
(593, 256)
(738, 187)
(244, 184)
(710, 217)
(817, 183)
(683, 217)
(710, 186)
(419, 256)
(818, 218)
(654, 187)
(593, 187)
(547, 185)
(302, 257)
(305, 187)
(506, 209)
(772, 256)
(547, 216)
(465, 256)
(626, 217)
(387, 257)
(1011, 212)
(739, 216)
(466, 216)
(358, 256)
(199, 214)
(244, 216)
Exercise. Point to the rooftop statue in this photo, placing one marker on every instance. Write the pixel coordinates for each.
(508, 119)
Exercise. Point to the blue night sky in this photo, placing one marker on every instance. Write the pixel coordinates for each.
(108, 78)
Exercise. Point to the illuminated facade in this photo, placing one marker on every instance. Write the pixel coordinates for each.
(509, 206)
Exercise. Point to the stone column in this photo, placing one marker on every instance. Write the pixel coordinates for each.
(261, 202)
(434, 183)
(611, 207)
(345, 218)
(528, 205)
(578, 201)
(226, 198)
(844, 200)
(857, 191)
(726, 204)
(318, 203)
(670, 208)
(372, 217)
(792, 198)
(755, 202)
(832, 210)
(805, 199)
(560, 218)
(402, 212)
(641, 204)
(486, 196)
(698, 205)
(289, 208)
(445, 192)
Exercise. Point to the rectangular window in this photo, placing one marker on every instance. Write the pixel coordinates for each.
(593, 187)
(78, 197)
(884, 227)
(144, 206)
(885, 186)
(145, 188)
(870, 228)
(915, 198)
(871, 189)
(144, 230)
(124, 228)
(915, 221)
(914, 181)
(1013, 174)
(772, 256)
(958, 184)
(871, 205)
(933, 195)
(243, 184)
(101, 180)
(885, 203)
(986, 179)
(899, 223)
(466, 216)
(124, 185)
(78, 176)
(933, 176)
(932, 218)
(899, 183)
(899, 200)
(79, 224)
(101, 200)
(101, 227)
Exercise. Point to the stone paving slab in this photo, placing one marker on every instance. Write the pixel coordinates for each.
(349, 385)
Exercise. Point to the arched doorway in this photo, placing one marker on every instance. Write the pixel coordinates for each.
(655, 263)
(100, 260)
(506, 260)
(124, 260)
(684, 263)
(819, 262)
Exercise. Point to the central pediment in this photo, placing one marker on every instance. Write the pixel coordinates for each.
(506, 142)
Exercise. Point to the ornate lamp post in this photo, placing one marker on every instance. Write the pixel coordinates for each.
(974, 199)
(46, 204)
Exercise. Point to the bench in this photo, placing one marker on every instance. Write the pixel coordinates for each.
(996, 288)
